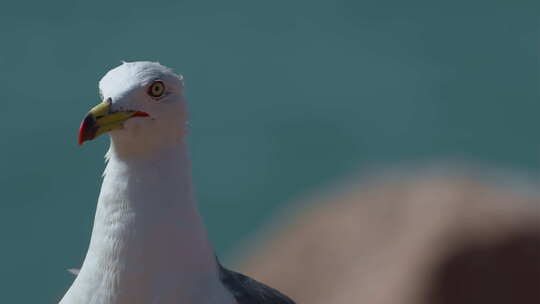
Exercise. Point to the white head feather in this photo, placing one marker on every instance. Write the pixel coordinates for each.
(127, 86)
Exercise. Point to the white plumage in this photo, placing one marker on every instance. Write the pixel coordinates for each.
(148, 242)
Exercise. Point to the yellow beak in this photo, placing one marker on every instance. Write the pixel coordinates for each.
(102, 119)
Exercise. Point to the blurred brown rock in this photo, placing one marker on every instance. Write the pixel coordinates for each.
(424, 238)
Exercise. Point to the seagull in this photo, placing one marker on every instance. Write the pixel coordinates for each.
(148, 243)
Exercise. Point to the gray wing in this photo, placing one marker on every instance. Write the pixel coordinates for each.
(249, 291)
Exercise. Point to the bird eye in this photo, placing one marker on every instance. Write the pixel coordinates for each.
(156, 89)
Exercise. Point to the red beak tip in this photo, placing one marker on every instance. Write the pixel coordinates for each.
(87, 130)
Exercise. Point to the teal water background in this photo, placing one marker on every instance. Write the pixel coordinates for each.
(285, 97)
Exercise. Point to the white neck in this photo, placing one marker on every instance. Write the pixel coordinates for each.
(148, 243)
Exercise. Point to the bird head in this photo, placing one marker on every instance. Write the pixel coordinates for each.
(143, 105)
